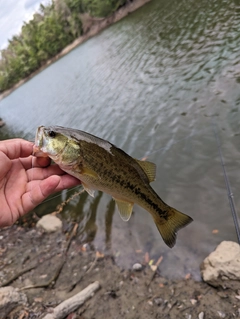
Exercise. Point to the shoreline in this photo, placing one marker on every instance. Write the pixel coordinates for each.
(96, 26)
(125, 293)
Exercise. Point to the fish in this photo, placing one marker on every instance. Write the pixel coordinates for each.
(100, 165)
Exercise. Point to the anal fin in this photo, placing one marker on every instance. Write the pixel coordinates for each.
(124, 208)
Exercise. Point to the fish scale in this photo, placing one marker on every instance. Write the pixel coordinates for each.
(101, 165)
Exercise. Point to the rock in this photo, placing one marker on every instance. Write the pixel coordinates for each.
(137, 267)
(222, 267)
(50, 223)
(10, 298)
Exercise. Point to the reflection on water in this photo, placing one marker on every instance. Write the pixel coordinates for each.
(151, 84)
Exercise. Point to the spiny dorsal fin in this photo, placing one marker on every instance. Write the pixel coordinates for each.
(149, 168)
(124, 208)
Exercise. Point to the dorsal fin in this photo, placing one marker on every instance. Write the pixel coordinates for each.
(149, 168)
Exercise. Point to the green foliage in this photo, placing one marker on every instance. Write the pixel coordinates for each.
(51, 29)
(101, 8)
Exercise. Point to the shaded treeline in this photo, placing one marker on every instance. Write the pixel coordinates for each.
(52, 28)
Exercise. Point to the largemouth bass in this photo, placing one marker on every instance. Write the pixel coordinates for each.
(102, 166)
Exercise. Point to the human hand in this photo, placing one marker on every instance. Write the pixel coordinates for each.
(25, 181)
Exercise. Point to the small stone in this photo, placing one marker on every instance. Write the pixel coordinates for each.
(86, 247)
(137, 267)
(221, 314)
(193, 301)
(150, 303)
(50, 223)
(158, 301)
(10, 298)
(201, 315)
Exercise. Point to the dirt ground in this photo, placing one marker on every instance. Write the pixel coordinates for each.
(123, 294)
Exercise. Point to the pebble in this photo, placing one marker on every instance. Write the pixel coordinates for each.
(137, 267)
(158, 301)
(201, 315)
(193, 301)
(221, 314)
(50, 223)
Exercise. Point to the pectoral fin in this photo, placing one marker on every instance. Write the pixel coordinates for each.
(124, 208)
(87, 189)
(89, 172)
(92, 175)
(149, 168)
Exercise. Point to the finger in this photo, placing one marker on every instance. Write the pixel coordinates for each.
(15, 148)
(41, 190)
(5, 165)
(42, 161)
(38, 173)
(32, 162)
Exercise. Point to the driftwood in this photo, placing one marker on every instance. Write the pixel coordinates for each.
(71, 304)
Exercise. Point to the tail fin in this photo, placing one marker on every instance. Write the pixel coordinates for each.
(169, 226)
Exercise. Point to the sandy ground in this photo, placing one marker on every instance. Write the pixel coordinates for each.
(124, 293)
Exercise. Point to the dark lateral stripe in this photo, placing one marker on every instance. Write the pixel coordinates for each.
(137, 191)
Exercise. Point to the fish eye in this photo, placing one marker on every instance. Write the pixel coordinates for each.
(51, 134)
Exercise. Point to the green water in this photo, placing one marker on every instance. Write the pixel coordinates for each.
(153, 84)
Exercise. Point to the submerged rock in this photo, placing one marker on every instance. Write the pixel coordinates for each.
(50, 223)
(10, 298)
(222, 267)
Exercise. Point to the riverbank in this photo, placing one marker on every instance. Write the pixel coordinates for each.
(31, 258)
(91, 27)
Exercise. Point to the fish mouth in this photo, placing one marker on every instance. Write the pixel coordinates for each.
(39, 143)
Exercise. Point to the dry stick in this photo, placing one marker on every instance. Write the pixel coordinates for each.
(53, 280)
(71, 304)
(20, 273)
(155, 271)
